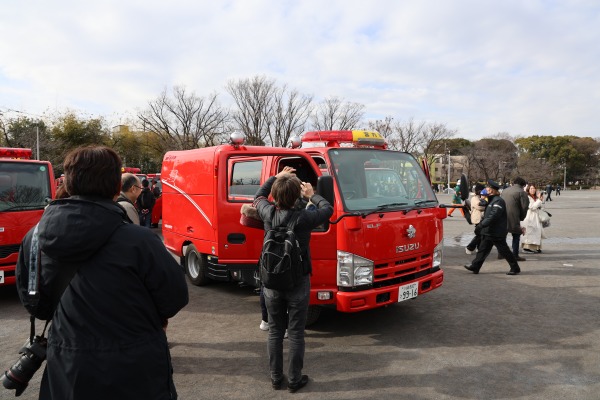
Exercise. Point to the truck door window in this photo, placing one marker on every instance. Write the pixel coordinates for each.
(244, 180)
(320, 161)
(303, 169)
(305, 173)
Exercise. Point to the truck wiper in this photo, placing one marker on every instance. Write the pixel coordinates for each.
(379, 208)
(419, 202)
(382, 207)
(25, 207)
(390, 205)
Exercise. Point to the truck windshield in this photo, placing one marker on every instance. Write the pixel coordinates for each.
(23, 186)
(372, 179)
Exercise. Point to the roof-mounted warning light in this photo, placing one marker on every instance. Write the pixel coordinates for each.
(7, 152)
(131, 170)
(355, 138)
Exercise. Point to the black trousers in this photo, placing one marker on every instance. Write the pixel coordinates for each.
(485, 247)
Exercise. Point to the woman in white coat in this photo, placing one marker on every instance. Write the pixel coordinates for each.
(534, 232)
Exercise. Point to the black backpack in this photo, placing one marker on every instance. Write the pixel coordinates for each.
(281, 258)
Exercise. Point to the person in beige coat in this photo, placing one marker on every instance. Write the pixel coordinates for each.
(477, 209)
(534, 232)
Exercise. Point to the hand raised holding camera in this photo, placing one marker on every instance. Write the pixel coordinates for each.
(307, 190)
(286, 170)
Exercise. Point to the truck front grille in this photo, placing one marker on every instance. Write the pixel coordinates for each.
(402, 270)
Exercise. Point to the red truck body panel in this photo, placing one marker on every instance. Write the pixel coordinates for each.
(201, 206)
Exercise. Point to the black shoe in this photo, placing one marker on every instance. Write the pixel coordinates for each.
(519, 258)
(292, 388)
(538, 251)
(470, 268)
(276, 384)
(528, 251)
(511, 272)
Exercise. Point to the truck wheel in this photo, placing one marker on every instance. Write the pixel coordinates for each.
(195, 266)
(313, 315)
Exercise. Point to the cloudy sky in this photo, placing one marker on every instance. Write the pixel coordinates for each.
(481, 67)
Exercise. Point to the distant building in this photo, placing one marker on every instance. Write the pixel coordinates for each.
(439, 169)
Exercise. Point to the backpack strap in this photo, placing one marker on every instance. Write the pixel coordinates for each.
(34, 263)
(293, 221)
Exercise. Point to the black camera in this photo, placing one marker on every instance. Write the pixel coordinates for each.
(33, 354)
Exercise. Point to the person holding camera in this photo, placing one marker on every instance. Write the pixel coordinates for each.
(111, 286)
(289, 308)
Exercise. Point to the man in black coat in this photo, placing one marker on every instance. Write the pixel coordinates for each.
(549, 190)
(113, 286)
(517, 204)
(493, 230)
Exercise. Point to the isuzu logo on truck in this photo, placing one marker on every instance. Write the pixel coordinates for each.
(407, 247)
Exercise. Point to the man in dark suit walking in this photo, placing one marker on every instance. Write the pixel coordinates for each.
(493, 230)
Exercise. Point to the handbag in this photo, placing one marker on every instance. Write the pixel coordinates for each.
(544, 217)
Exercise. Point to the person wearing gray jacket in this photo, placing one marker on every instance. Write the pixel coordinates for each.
(517, 204)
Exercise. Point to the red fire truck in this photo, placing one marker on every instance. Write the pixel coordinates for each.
(26, 187)
(384, 241)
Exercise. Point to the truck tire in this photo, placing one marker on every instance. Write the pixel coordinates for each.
(195, 266)
(312, 315)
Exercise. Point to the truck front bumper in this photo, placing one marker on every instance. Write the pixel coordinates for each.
(373, 298)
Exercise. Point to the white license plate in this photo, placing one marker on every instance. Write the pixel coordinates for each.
(409, 291)
(1, 277)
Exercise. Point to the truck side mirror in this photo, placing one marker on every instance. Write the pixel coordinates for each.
(325, 188)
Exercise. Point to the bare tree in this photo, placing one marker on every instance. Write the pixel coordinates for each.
(534, 170)
(255, 101)
(335, 114)
(385, 128)
(290, 113)
(184, 121)
(432, 140)
(417, 138)
(412, 136)
(493, 159)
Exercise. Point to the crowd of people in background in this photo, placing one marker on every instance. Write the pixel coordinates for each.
(138, 197)
(497, 210)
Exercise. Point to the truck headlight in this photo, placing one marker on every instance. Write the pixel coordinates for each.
(353, 270)
(438, 253)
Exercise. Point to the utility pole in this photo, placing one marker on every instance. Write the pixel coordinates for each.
(37, 141)
(565, 177)
(448, 167)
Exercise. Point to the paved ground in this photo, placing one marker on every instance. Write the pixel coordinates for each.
(486, 336)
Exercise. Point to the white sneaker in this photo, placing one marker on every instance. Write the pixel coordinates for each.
(264, 326)
(468, 251)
